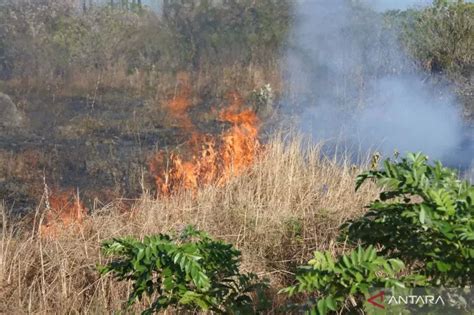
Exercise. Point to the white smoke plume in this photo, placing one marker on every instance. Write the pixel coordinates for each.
(350, 81)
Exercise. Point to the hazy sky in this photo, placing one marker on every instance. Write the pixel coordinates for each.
(382, 5)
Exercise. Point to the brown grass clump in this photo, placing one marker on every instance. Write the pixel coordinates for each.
(287, 205)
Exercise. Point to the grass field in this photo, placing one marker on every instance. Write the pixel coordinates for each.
(288, 204)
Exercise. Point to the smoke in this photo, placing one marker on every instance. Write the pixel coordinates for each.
(383, 5)
(351, 83)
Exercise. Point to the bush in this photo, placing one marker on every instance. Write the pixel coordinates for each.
(440, 37)
(424, 216)
(237, 31)
(54, 41)
(190, 272)
(330, 283)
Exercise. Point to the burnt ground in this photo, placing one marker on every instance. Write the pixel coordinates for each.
(99, 147)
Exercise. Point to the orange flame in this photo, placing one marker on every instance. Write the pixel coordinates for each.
(241, 143)
(66, 211)
(181, 101)
(214, 160)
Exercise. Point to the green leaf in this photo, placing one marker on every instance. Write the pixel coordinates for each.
(331, 303)
(443, 267)
(322, 307)
(346, 261)
(422, 216)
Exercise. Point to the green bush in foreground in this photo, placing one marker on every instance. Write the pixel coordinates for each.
(330, 283)
(192, 272)
(424, 216)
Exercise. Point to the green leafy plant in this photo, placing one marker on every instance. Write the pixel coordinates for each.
(424, 216)
(330, 282)
(190, 272)
(440, 36)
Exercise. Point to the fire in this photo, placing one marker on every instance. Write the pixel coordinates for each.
(240, 143)
(181, 101)
(65, 211)
(211, 159)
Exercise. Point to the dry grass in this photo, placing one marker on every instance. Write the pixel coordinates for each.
(150, 84)
(289, 204)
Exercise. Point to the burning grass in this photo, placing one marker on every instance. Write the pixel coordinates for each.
(213, 159)
(284, 206)
(64, 213)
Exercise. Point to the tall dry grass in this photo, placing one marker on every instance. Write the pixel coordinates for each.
(289, 204)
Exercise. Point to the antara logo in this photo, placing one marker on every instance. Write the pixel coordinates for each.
(416, 299)
(379, 300)
(380, 297)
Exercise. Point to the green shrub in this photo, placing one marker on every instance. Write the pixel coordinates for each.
(191, 272)
(440, 37)
(424, 216)
(331, 283)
